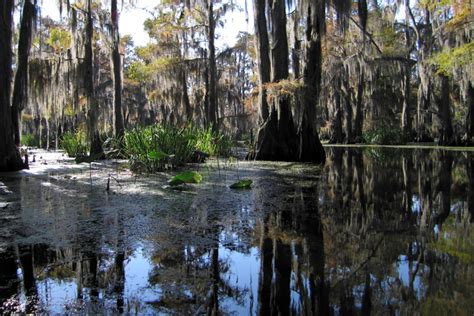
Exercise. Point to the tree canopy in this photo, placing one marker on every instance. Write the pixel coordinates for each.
(339, 71)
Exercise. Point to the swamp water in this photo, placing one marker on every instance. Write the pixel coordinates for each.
(381, 231)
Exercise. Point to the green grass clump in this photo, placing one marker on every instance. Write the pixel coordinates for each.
(161, 147)
(157, 147)
(74, 144)
(214, 144)
(29, 140)
(384, 136)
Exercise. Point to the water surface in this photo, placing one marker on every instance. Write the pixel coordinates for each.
(381, 231)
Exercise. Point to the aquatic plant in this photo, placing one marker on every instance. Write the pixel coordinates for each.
(384, 136)
(242, 184)
(161, 147)
(156, 148)
(75, 144)
(186, 177)
(212, 143)
(113, 147)
(29, 140)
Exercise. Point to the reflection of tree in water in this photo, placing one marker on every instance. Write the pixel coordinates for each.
(75, 252)
(373, 237)
(377, 231)
(191, 275)
(9, 282)
(404, 204)
(291, 248)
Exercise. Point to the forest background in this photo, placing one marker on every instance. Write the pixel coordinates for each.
(385, 72)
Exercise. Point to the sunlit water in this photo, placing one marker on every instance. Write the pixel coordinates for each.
(381, 231)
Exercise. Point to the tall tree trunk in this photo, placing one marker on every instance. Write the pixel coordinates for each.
(20, 88)
(470, 187)
(424, 91)
(119, 128)
(347, 108)
(423, 121)
(47, 133)
(406, 108)
(185, 96)
(263, 57)
(336, 121)
(279, 49)
(9, 155)
(359, 116)
(446, 126)
(310, 148)
(276, 139)
(213, 105)
(470, 114)
(39, 131)
(93, 110)
(280, 137)
(295, 59)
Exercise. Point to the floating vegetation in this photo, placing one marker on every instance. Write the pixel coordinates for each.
(186, 177)
(242, 184)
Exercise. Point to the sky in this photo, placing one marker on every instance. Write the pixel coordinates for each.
(132, 18)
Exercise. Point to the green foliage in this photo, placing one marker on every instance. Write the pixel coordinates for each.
(59, 39)
(391, 41)
(75, 144)
(211, 143)
(186, 177)
(113, 147)
(450, 59)
(29, 140)
(384, 136)
(138, 71)
(162, 63)
(433, 4)
(161, 147)
(142, 71)
(146, 53)
(242, 184)
(142, 145)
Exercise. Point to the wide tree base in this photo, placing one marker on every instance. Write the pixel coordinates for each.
(277, 140)
(12, 162)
